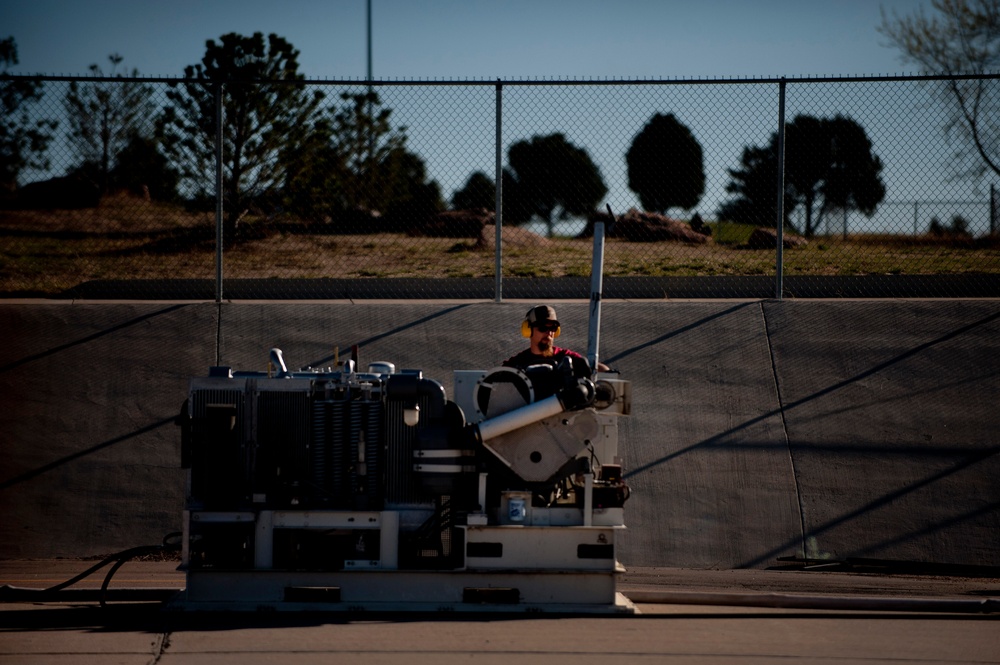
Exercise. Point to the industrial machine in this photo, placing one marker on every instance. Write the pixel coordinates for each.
(338, 488)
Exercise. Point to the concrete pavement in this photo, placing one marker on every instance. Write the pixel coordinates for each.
(678, 634)
(686, 626)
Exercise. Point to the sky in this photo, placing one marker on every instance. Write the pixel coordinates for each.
(518, 40)
(470, 39)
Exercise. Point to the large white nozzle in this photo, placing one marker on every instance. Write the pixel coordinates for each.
(518, 418)
(278, 361)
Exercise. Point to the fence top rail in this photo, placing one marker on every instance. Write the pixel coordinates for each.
(552, 81)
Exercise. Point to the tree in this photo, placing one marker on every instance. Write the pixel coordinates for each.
(267, 113)
(665, 165)
(550, 177)
(407, 197)
(316, 190)
(756, 184)
(140, 166)
(23, 142)
(962, 38)
(479, 191)
(356, 161)
(364, 139)
(829, 166)
(106, 116)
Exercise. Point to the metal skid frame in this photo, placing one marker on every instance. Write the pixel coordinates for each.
(541, 565)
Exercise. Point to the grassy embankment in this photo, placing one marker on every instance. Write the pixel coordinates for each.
(47, 252)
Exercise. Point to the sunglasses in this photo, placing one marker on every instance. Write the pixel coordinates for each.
(547, 327)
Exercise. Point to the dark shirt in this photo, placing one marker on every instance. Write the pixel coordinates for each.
(526, 358)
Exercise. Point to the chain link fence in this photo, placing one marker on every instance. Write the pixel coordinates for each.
(170, 188)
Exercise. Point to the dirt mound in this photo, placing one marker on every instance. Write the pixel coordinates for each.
(640, 226)
(513, 236)
(764, 238)
(455, 224)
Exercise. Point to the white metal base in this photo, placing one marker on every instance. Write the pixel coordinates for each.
(543, 563)
(394, 591)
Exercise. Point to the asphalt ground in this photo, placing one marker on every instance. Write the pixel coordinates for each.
(684, 616)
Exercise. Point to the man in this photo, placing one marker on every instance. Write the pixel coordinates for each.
(541, 326)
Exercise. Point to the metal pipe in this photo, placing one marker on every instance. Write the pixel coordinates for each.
(780, 258)
(596, 288)
(993, 209)
(596, 285)
(518, 418)
(368, 25)
(219, 235)
(276, 358)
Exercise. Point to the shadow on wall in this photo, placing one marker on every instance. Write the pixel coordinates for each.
(131, 407)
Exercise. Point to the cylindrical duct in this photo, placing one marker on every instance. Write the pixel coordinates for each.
(518, 418)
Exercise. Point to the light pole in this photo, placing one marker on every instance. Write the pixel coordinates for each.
(370, 161)
(369, 26)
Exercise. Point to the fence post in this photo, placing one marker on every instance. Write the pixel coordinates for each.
(219, 236)
(498, 203)
(779, 258)
(993, 209)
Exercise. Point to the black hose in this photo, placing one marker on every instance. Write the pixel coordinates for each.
(171, 543)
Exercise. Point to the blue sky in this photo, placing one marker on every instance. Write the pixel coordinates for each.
(540, 39)
(462, 39)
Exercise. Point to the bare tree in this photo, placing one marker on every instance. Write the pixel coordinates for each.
(107, 116)
(961, 37)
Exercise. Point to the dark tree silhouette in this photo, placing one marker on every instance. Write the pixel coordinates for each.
(550, 178)
(479, 191)
(755, 184)
(829, 165)
(357, 162)
(141, 167)
(105, 116)
(23, 141)
(364, 138)
(665, 165)
(316, 190)
(267, 113)
(407, 196)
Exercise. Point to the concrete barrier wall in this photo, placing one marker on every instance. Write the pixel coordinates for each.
(761, 429)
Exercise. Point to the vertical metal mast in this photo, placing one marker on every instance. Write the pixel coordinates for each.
(596, 286)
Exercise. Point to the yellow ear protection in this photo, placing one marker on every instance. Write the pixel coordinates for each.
(526, 329)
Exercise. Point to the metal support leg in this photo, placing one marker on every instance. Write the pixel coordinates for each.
(263, 554)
